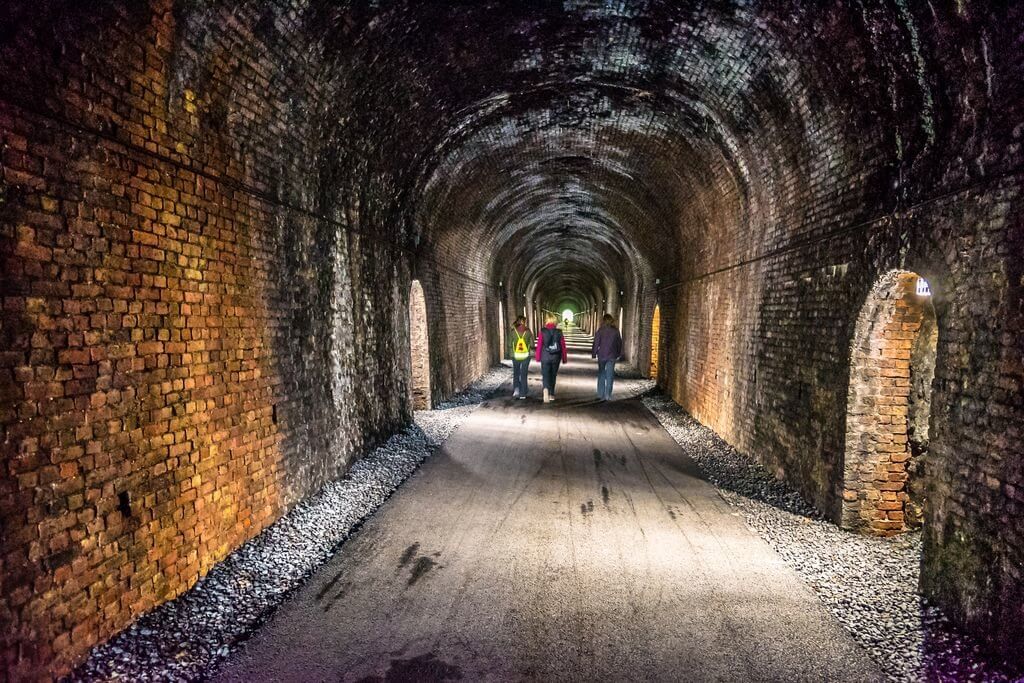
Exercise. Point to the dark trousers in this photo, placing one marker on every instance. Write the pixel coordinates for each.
(549, 371)
(520, 371)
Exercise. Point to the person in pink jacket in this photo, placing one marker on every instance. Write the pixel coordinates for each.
(551, 352)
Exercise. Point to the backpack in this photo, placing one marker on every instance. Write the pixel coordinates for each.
(553, 342)
(520, 349)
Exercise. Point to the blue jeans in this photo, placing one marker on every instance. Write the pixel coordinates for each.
(605, 379)
(520, 371)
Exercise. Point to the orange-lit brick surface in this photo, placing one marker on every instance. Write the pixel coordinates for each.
(212, 213)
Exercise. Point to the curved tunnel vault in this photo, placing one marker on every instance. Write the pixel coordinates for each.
(204, 205)
(628, 148)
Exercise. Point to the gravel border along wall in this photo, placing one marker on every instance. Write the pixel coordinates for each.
(187, 638)
(869, 584)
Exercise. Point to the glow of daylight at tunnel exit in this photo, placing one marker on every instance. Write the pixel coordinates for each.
(568, 315)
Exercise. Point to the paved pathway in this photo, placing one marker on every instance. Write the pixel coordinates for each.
(573, 541)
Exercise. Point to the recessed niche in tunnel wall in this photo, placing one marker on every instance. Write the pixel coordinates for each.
(501, 330)
(419, 347)
(892, 365)
(655, 341)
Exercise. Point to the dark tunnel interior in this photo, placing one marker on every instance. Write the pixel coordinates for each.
(213, 212)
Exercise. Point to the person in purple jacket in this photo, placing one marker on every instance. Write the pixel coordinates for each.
(607, 350)
(551, 352)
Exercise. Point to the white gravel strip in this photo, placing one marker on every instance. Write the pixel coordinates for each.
(868, 584)
(186, 638)
(439, 423)
(629, 384)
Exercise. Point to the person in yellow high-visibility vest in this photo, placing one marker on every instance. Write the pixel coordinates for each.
(520, 348)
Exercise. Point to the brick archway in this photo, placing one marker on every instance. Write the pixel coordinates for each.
(655, 341)
(892, 364)
(419, 347)
(502, 326)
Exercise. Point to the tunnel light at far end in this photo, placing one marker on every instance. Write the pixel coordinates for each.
(922, 287)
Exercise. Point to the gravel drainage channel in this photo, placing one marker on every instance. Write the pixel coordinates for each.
(868, 584)
(185, 639)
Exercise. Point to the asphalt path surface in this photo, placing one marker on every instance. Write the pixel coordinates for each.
(568, 541)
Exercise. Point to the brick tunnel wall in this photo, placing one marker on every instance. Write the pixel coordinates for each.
(761, 354)
(186, 247)
(462, 320)
(175, 280)
(759, 335)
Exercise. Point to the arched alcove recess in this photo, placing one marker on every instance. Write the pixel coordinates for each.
(419, 347)
(655, 341)
(502, 323)
(892, 364)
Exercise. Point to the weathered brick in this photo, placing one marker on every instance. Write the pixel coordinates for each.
(231, 236)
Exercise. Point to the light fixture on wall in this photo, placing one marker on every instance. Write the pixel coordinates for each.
(923, 289)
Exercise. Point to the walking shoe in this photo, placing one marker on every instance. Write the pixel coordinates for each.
(547, 397)
(523, 397)
(515, 394)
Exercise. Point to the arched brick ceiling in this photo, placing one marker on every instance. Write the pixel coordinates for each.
(613, 138)
(254, 175)
(572, 194)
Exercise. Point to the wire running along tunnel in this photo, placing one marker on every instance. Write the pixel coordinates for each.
(243, 242)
